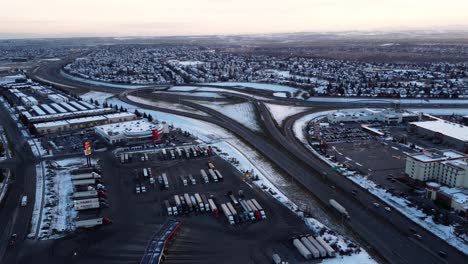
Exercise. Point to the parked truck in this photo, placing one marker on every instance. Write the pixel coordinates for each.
(164, 154)
(302, 249)
(168, 207)
(85, 194)
(122, 158)
(339, 208)
(234, 212)
(213, 175)
(220, 176)
(192, 179)
(260, 209)
(316, 244)
(233, 199)
(179, 152)
(257, 214)
(210, 165)
(194, 203)
(89, 223)
(188, 201)
(184, 180)
(178, 203)
(172, 154)
(84, 182)
(249, 210)
(86, 204)
(145, 172)
(165, 181)
(200, 202)
(326, 246)
(204, 176)
(187, 153)
(205, 201)
(213, 208)
(310, 247)
(227, 213)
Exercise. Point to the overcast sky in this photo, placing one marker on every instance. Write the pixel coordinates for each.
(199, 17)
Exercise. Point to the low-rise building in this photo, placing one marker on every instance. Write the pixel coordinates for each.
(389, 116)
(447, 167)
(131, 131)
(442, 131)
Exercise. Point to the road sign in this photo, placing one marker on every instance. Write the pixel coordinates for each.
(87, 147)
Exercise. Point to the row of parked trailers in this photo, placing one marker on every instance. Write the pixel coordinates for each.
(246, 210)
(186, 203)
(185, 152)
(89, 192)
(310, 247)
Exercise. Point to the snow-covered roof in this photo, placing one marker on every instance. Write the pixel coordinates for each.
(437, 155)
(129, 127)
(447, 128)
(460, 195)
(86, 119)
(458, 164)
(121, 114)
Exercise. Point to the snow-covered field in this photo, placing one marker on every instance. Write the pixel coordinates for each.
(96, 96)
(213, 90)
(401, 204)
(281, 112)
(243, 113)
(173, 106)
(248, 159)
(58, 214)
(108, 84)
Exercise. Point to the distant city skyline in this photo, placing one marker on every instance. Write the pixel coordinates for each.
(58, 18)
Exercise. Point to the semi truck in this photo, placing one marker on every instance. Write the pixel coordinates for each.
(172, 154)
(339, 208)
(184, 180)
(260, 209)
(86, 204)
(85, 194)
(84, 182)
(200, 202)
(168, 207)
(163, 153)
(234, 212)
(227, 213)
(188, 201)
(125, 157)
(204, 176)
(205, 201)
(302, 249)
(85, 176)
(257, 214)
(310, 247)
(187, 153)
(220, 176)
(178, 203)
(210, 165)
(233, 199)
(213, 208)
(165, 181)
(249, 210)
(194, 203)
(316, 244)
(179, 152)
(213, 175)
(89, 223)
(192, 179)
(122, 158)
(326, 246)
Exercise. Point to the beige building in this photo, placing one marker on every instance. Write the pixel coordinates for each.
(447, 167)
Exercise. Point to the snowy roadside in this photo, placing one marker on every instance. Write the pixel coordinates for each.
(400, 204)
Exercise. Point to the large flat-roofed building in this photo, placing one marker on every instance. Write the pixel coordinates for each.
(81, 122)
(389, 116)
(447, 167)
(452, 134)
(130, 131)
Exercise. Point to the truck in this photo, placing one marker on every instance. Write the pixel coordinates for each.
(205, 201)
(165, 181)
(213, 175)
(220, 176)
(213, 208)
(122, 158)
(184, 180)
(233, 199)
(83, 176)
(227, 214)
(178, 203)
(24, 200)
(194, 203)
(125, 157)
(89, 223)
(145, 155)
(86, 204)
(194, 152)
(260, 209)
(84, 182)
(145, 172)
(338, 207)
(168, 207)
(330, 251)
(302, 249)
(210, 165)
(163, 154)
(192, 179)
(234, 212)
(172, 154)
(200, 202)
(204, 176)
(179, 152)
(187, 153)
(188, 201)
(247, 209)
(85, 194)
(310, 247)
(257, 214)
(316, 244)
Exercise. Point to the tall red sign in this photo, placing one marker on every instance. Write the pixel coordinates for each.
(155, 134)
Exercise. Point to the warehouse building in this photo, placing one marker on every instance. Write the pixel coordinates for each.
(444, 132)
(389, 116)
(447, 167)
(132, 131)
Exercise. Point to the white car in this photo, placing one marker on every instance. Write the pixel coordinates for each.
(388, 209)
(143, 189)
(137, 189)
(376, 204)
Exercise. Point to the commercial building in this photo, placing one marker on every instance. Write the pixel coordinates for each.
(447, 167)
(455, 198)
(389, 116)
(441, 131)
(131, 131)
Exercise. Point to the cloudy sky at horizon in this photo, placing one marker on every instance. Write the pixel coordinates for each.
(204, 17)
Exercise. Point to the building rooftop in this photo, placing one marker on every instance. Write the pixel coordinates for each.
(447, 128)
(129, 127)
(431, 155)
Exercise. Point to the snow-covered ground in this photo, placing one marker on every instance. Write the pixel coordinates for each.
(261, 86)
(108, 84)
(96, 96)
(281, 112)
(37, 148)
(248, 159)
(173, 106)
(243, 113)
(58, 214)
(401, 204)
(213, 90)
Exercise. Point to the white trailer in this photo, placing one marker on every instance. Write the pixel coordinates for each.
(84, 176)
(188, 201)
(122, 158)
(210, 165)
(184, 180)
(260, 209)
(204, 176)
(86, 204)
(168, 207)
(126, 157)
(233, 199)
(213, 175)
(323, 252)
(84, 182)
(194, 202)
(200, 202)
(179, 152)
(247, 208)
(85, 194)
(326, 246)
(164, 154)
(205, 201)
(187, 153)
(172, 154)
(310, 247)
(227, 213)
(339, 208)
(302, 249)
(92, 222)
(145, 173)
(192, 179)
(220, 176)
(166, 182)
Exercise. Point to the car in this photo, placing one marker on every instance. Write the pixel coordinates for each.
(354, 192)
(418, 236)
(388, 209)
(12, 240)
(137, 190)
(152, 180)
(442, 254)
(143, 189)
(376, 204)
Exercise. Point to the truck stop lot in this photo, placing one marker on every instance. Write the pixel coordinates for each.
(202, 237)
